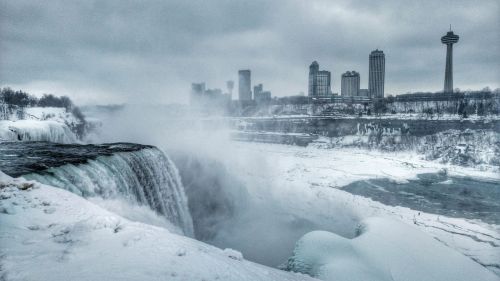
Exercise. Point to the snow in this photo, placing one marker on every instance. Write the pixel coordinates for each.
(49, 233)
(386, 250)
(233, 254)
(36, 130)
(58, 114)
(307, 183)
(40, 124)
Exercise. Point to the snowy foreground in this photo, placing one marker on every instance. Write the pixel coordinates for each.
(51, 234)
(47, 233)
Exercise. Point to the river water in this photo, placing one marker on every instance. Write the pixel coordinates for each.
(459, 197)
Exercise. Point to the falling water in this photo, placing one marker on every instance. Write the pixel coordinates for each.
(143, 177)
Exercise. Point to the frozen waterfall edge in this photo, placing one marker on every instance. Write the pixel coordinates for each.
(146, 177)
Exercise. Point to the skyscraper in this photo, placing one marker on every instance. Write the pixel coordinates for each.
(449, 39)
(349, 86)
(259, 95)
(376, 74)
(319, 81)
(244, 85)
(257, 90)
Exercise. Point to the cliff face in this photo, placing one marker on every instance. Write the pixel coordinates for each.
(461, 142)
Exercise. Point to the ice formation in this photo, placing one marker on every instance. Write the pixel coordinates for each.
(385, 250)
(143, 177)
(34, 130)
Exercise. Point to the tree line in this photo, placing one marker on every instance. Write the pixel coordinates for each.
(23, 99)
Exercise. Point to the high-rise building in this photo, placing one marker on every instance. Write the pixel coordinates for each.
(376, 74)
(319, 81)
(257, 90)
(449, 39)
(262, 97)
(259, 95)
(349, 86)
(244, 85)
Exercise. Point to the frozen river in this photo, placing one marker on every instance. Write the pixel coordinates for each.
(458, 197)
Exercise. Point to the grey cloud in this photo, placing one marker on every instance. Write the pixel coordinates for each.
(122, 50)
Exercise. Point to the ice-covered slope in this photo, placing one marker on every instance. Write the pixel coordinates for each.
(36, 130)
(386, 249)
(49, 233)
(52, 124)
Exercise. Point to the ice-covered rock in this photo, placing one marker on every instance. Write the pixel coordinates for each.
(386, 249)
(233, 254)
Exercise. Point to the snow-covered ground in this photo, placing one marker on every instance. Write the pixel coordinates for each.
(49, 233)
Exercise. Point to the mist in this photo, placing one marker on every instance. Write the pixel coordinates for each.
(229, 189)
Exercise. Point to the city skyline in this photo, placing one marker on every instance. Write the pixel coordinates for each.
(101, 52)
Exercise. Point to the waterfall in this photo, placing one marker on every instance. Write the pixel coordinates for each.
(143, 177)
(34, 130)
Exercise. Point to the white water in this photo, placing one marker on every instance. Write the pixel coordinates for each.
(34, 130)
(144, 177)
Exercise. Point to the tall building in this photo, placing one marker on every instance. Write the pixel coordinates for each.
(376, 74)
(257, 90)
(349, 86)
(319, 81)
(263, 97)
(449, 39)
(259, 95)
(244, 85)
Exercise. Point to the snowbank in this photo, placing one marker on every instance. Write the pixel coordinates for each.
(49, 233)
(36, 130)
(386, 250)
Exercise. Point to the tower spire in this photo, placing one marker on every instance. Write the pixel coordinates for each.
(449, 39)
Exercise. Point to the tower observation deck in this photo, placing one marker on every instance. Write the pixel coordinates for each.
(449, 39)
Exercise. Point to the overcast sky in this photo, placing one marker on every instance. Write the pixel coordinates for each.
(100, 52)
